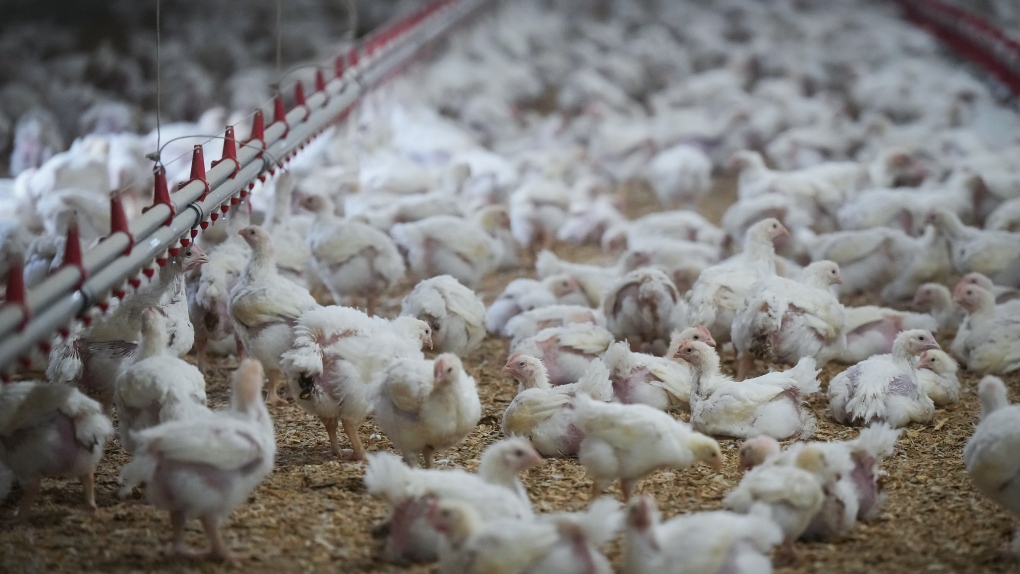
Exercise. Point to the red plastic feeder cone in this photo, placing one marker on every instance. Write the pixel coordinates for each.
(280, 114)
(229, 151)
(258, 130)
(16, 291)
(118, 221)
(72, 252)
(161, 193)
(197, 172)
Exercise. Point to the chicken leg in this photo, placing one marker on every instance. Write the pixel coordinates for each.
(745, 362)
(357, 450)
(334, 444)
(88, 482)
(29, 492)
(276, 379)
(429, 453)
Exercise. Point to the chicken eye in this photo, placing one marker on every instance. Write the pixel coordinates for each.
(187, 253)
(521, 364)
(518, 452)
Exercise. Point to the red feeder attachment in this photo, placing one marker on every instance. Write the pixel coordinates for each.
(280, 114)
(118, 221)
(197, 172)
(229, 151)
(161, 193)
(72, 252)
(16, 291)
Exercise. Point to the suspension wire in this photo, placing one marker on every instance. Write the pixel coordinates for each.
(279, 40)
(158, 87)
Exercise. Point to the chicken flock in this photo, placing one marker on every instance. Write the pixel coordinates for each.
(893, 181)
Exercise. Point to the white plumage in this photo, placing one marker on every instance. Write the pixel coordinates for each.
(455, 313)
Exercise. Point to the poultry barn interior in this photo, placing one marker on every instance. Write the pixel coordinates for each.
(520, 286)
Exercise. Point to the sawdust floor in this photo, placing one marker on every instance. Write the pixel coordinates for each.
(312, 513)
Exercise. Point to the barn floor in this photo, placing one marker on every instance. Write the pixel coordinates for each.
(312, 513)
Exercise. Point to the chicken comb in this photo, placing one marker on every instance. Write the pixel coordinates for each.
(512, 357)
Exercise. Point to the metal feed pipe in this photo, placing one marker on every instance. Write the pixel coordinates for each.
(31, 319)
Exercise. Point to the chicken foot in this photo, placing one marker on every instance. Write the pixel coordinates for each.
(351, 429)
(217, 551)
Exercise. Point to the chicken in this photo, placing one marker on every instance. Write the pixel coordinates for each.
(92, 358)
(936, 300)
(422, 412)
(562, 543)
(987, 341)
(521, 295)
(566, 351)
(291, 237)
(868, 259)
(49, 430)
(638, 309)
(578, 538)
(680, 173)
(1002, 294)
(990, 453)
(697, 543)
(790, 495)
(871, 330)
(936, 371)
(681, 225)
(594, 280)
(851, 477)
(992, 253)
(654, 381)
(353, 259)
(205, 467)
(447, 245)
(537, 210)
(333, 365)
(884, 387)
(772, 404)
(720, 290)
(156, 387)
(455, 313)
(628, 442)
(495, 492)
(209, 293)
(529, 323)
(264, 306)
(783, 320)
(543, 413)
(807, 187)
(499, 546)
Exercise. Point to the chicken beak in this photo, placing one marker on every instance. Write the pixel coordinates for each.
(783, 231)
(200, 257)
(931, 346)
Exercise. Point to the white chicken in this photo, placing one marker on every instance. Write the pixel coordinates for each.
(426, 406)
(850, 478)
(783, 320)
(679, 173)
(156, 387)
(638, 309)
(936, 299)
(447, 245)
(990, 453)
(991, 253)
(334, 363)
(455, 313)
(772, 404)
(720, 290)
(495, 492)
(654, 381)
(562, 543)
(529, 323)
(628, 442)
(205, 467)
(790, 495)
(49, 430)
(697, 543)
(871, 330)
(543, 413)
(264, 307)
(353, 259)
(987, 341)
(936, 371)
(521, 295)
(566, 351)
(884, 387)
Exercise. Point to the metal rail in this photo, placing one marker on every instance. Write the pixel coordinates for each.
(972, 36)
(30, 319)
